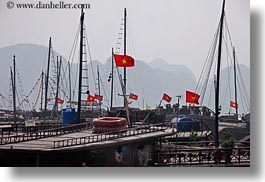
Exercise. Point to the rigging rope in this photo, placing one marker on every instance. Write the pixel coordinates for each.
(136, 58)
(202, 85)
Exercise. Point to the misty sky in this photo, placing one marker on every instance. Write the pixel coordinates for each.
(179, 31)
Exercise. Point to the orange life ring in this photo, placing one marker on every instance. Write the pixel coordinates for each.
(109, 122)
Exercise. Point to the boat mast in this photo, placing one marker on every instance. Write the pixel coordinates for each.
(47, 79)
(99, 89)
(80, 65)
(125, 15)
(13, 78)
(55, 109)
(218, 78)
(111, 91)
(70, 87)
(234, 55)
(41, 99)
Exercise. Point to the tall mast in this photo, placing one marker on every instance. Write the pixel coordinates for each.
(13, 78)
(70, 87)
(55, 109)
(41, 99)
(125, 15)
(99, 89)
(112, 67)
(80, 65)
(234, 55)
(218, 78)
(47, 78)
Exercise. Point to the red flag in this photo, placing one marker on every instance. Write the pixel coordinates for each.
(99, 97)
(233, 104)
(124, 60)
(166, 97)
(59, 101)
(90, 98)
(192, 97)
(133, 96)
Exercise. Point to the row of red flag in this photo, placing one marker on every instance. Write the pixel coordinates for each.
(90, 98)
(191, 97)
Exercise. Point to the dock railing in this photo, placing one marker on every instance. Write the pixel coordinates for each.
(43, 133)
(238, 156)
(145, 129)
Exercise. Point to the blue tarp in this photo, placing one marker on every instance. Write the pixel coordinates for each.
(185, 124)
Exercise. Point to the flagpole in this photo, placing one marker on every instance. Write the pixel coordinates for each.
(160, 103)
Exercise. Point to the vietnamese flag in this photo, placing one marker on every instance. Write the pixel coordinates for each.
(99, 97)
(90, 98)
(192, 97)
(233, 104)
(166, 97)
(124, 60)
(133, 96)
(59, 101)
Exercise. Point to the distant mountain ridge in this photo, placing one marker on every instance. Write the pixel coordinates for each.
(148, 80)
(159, 63)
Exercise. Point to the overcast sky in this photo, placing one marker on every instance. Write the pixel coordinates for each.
(179, 31)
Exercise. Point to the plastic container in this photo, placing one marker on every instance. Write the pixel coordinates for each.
(69, 115)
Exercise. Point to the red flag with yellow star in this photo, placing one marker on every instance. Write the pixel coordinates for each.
(233, 104)
(166, 97)
(59, 101)
(90, 98)
(133, 96)
(99, 97)
(192, 97)
(124, 60)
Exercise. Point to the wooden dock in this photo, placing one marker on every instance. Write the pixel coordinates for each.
(82, 139)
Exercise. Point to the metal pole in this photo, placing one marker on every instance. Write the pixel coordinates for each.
(179, 96)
